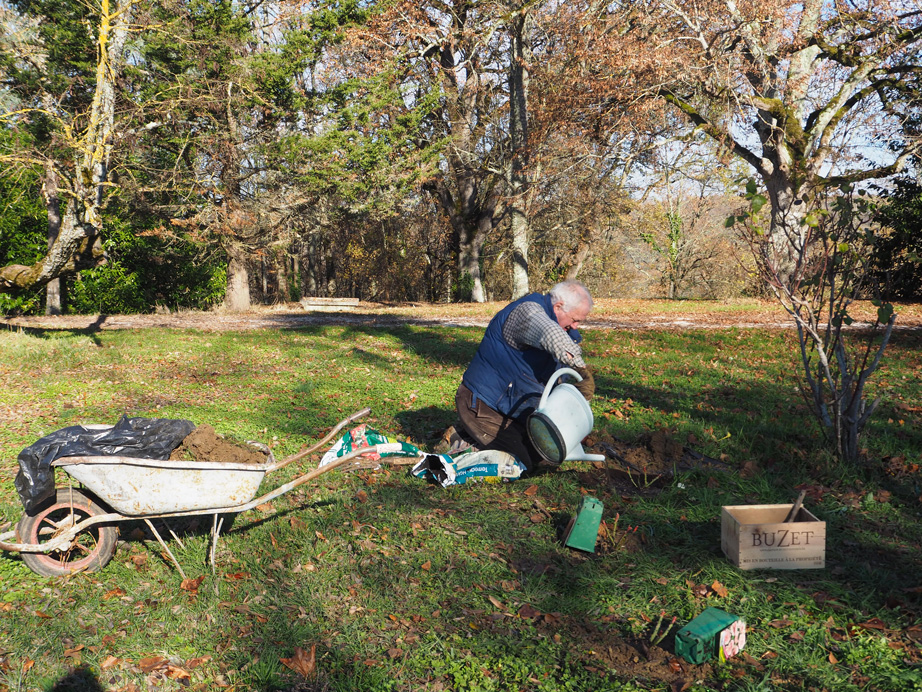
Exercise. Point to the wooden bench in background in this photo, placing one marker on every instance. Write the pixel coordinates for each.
(329, 304)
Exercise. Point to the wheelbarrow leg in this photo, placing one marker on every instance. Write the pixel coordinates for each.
(164, 546)
(215, 532)
(175, 537)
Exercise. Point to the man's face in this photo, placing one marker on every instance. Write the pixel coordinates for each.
(571, 318)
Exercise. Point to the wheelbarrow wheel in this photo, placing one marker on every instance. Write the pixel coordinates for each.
(91, 550)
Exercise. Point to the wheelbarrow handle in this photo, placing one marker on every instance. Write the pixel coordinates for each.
(303, 453)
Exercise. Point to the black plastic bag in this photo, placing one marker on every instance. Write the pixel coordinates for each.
(141, 438)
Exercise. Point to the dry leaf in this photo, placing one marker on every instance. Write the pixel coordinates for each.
(70, 653)
(43, 615)
(495, 601)
(720, 589)
(265, 507)
(110, 662)
(361, 496)
(149, 665)
(527, 611)
(427, 565)
(832, 658)
(114, 593)
(394, 653)
(536, 518)
(531, 490)
(176, 673)
(27, 665)
(192, 584)
(320, 536)
(662, 580)
(302, 662)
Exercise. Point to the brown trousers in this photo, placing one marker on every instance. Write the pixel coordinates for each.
(492, 430)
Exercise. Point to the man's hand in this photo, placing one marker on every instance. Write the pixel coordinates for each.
(586, 387)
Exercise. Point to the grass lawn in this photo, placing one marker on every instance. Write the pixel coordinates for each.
(394, 584)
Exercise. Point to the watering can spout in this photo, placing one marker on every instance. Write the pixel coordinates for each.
(561, 422)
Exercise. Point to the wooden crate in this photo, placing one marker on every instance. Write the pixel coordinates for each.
(756, 537)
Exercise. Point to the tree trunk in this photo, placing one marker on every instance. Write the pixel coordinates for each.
(237, 295)
(281, 271)
(582, 252)
(53, 296)
(309, 267)
(471, 220)
(518, 166)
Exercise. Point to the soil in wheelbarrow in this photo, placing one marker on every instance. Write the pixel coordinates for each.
(204, 444)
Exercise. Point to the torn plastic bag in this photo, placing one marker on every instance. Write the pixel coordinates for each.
(363, 436)
(141, 438)
(490, 465)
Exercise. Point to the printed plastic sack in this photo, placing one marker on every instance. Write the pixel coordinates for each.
(363, 436)
(140, 438)
(489, 465)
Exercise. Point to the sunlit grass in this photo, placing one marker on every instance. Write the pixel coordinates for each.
(402, 585)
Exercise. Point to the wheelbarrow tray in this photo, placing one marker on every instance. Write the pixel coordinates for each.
(138, 487)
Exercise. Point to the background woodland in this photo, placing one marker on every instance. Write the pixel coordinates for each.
(190, 153)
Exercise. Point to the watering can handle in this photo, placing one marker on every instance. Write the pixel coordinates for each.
(551, 382)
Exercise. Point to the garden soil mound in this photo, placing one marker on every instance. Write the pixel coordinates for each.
(655, 458)
(204, 444)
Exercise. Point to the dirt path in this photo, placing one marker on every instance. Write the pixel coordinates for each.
(607, 315)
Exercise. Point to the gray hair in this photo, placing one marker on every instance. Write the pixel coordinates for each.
(572, 293)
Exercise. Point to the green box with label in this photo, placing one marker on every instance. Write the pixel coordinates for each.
(699, 640)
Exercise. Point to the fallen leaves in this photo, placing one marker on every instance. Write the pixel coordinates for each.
(302, 661)
(110, 662)
(152, 663)
(191, 585)
(720, 589)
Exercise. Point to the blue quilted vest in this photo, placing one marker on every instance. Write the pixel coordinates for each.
(506, 379)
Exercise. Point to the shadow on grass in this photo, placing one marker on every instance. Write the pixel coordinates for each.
(81, 679)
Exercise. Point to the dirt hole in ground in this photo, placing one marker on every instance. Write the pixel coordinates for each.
(652, 461)
(204, 444)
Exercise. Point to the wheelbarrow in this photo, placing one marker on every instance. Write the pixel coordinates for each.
(77, 530)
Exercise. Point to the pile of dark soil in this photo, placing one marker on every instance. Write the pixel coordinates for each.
(654, 459)
(204, 444)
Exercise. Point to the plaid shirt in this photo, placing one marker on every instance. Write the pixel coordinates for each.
(528, 325)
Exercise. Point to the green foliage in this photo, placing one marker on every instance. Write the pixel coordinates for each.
(23, 224)
(144, 271)
(463, 288)
(896, 258)
(69, 70)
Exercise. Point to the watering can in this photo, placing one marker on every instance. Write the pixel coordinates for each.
(561, 422)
